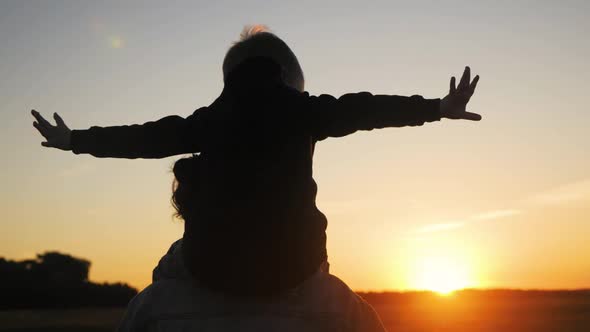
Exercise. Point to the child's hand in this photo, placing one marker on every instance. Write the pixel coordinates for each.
(453, 105)
(58, 136)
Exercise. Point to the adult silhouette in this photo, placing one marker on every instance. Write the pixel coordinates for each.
(177, 301)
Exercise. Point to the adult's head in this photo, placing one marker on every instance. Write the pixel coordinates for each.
(257, 40)
(186, 183)
(214, 253)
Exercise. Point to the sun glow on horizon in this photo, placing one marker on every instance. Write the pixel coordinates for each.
(441, 274)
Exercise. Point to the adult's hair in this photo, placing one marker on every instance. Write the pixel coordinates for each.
(186, 183)
(257, 40)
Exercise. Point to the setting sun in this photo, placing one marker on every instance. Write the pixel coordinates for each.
(442, 275)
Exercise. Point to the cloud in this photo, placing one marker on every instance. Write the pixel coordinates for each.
(568, 193)
(496, 214)
(480, 217)
(439, 227)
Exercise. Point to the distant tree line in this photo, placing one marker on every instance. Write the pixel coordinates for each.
(479, 296)
(56, 280)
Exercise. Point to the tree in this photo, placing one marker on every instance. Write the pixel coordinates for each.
(56, 280)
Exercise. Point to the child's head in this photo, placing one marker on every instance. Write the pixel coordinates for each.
(257, 40)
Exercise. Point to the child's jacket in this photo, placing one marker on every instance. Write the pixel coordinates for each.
(258, 228)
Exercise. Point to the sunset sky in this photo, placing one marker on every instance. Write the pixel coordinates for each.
(504, 202)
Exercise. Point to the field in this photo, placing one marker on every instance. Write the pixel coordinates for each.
(67, 320)
(477, 311)
(485, 311)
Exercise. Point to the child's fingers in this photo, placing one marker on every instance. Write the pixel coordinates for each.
(46, 144)
(40, 119)
(474, 83)
(452, 87)
(471, 116)
(465, 79)
(40, 129)
(60, 122)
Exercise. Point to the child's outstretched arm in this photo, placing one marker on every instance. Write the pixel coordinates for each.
(168, 136)
(337, 117)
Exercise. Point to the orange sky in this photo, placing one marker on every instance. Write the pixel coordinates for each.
(500, 203)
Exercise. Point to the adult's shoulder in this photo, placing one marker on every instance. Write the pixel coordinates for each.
(165, 299)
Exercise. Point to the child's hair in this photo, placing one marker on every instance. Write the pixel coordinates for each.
(257, 40)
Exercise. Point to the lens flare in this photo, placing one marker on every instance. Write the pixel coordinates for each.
(116, 42)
